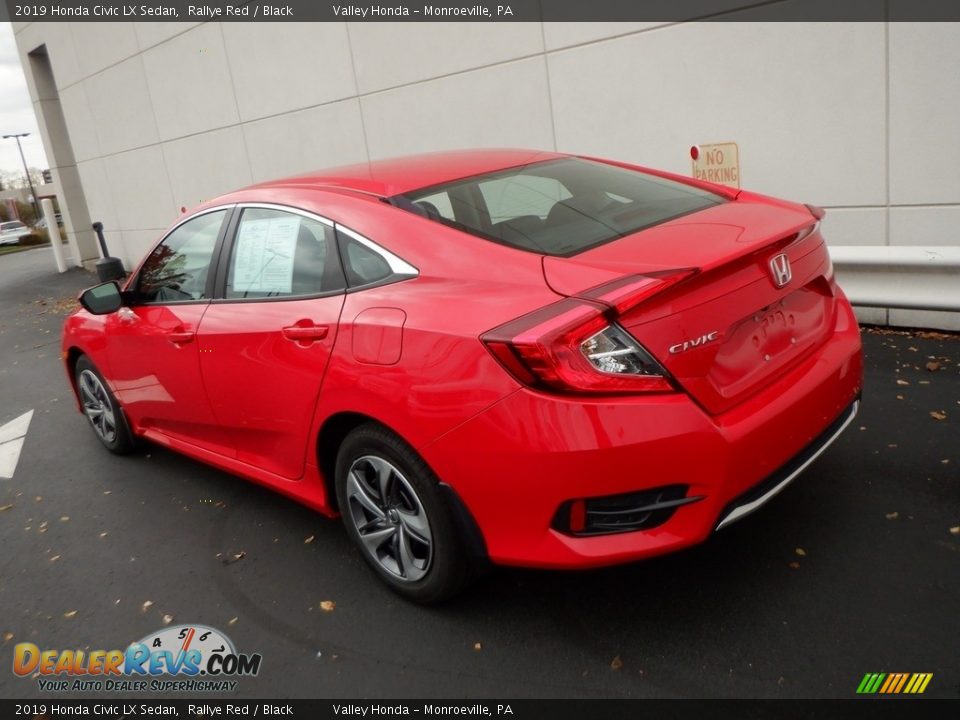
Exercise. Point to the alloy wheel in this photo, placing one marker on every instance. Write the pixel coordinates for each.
(97, 406)
(389, 518)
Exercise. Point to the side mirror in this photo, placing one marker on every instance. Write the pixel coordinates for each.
(102, 299)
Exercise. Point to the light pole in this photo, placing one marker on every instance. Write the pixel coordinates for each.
(36, 203)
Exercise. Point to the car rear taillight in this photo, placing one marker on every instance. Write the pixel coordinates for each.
(576, 346)
(631, 290)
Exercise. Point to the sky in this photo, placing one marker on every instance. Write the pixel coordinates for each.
(16, 111)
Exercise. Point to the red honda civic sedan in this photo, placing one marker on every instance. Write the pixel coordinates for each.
(506, 356)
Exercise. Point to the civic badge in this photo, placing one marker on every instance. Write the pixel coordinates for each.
(780, 270)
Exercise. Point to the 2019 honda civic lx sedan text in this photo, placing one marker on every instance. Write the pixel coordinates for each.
(531, 358)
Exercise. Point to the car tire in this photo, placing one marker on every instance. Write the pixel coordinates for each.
(101, 408)
(397, 517)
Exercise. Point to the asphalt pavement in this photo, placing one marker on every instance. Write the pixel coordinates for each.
(853, 569)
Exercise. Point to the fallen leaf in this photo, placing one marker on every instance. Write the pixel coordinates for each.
(616, 663)
(902, 382)
(945, 462)
(801, 552)
(104, 534)
(327, 605)
(308, 540)
(167, 619)
(70, 614)
(54, 558)
(7, 637)
(477, 646)
(107, 492)
(5, 507)
(795, 565)
(64, 518)
(933, 365)
(893, 515)
(146, 606)
(955, 530)
(937, 415)
(232, 621)
(38, 498)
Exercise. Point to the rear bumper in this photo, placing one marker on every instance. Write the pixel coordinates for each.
(516, 463)
(764, 491)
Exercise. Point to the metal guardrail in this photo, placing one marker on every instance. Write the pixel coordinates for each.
(906, 278)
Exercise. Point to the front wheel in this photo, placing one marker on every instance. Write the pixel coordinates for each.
(396, 516)
(101, 408)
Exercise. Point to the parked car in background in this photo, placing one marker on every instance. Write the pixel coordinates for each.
(513, 356)
(11, 232)
(41, 224)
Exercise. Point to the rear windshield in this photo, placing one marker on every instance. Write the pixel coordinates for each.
(558, 207)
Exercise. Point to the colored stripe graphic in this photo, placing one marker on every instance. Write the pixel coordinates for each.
(903, 680)
(894, 683)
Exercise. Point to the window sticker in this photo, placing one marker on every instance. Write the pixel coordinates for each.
(264, 255)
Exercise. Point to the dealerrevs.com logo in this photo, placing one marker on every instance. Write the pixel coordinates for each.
(185, 658)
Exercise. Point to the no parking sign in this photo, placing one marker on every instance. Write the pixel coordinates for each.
(717, 163)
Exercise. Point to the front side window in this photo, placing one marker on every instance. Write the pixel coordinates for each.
(281, 254)
(178, 267)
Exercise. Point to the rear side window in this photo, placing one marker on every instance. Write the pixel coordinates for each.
(365, 263)
(364, 266)
(558, 207)
(282, 254)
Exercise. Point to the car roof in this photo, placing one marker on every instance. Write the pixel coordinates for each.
(399, 175)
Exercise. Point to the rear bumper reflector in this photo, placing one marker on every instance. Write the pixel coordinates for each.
(641, 510)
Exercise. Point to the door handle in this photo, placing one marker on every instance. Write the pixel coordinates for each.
(181, 337)
(305, 333)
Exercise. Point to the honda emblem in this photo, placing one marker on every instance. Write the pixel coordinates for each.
(780, 270)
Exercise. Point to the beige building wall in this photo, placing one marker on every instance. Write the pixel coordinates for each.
(859, 118)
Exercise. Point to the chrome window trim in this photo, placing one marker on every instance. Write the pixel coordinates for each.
(187, 219)
(398, 266)
(287, 209)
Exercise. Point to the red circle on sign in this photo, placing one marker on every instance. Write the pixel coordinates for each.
(694, 152)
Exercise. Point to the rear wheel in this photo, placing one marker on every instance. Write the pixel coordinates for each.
(101, 408)
(397, 517)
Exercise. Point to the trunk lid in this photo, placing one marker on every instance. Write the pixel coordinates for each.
(729, 329)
